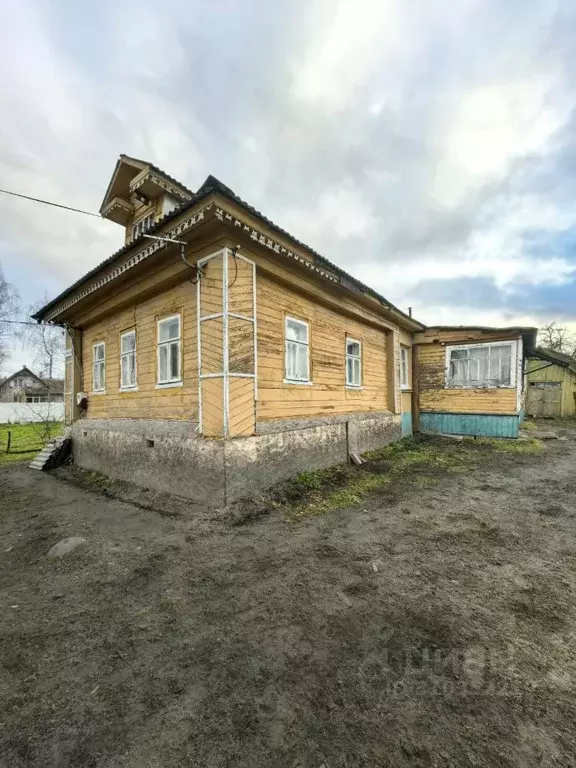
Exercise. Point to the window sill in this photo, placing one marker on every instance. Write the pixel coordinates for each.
(299, 383)
(354, 388)
(405, 388)
(98, 392)
(169, 384)
(128, 389)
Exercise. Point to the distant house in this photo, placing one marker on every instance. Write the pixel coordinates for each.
(551, 383)
(24, 386)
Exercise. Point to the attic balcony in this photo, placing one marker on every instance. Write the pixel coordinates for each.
(119, 210)
(151, 186)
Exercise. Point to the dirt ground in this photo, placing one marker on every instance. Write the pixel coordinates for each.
(431, 623)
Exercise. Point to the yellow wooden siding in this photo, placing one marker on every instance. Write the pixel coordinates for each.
(556, 373)
(211, 290)
(433, 396)
(406, 402)
(240, 290)
(147, 402)
(242, 417)
(213, 407)
(240, 345)
(212, 345)
(328, 394)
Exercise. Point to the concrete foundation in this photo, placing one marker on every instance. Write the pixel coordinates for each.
(169, 456)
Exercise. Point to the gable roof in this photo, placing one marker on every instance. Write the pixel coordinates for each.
(127, 168)
(212, 185)
(24, 371)
(553, 356)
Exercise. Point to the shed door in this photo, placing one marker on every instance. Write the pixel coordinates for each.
(544, 399)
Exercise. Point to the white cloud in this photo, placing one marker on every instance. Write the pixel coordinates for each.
(405, 141)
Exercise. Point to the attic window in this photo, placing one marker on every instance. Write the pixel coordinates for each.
(142, 226)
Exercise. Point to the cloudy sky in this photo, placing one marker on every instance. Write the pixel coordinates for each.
(427, 148)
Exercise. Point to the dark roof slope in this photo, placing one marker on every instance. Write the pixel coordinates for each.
(213, 185)
(553, 356)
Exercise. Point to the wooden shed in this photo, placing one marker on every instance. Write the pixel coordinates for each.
(551, 384)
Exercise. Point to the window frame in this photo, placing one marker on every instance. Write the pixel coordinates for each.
(404, 352)
(512, 343)
(102, 362)
(305, 344)
(350, 384)
(172, 382)
(129, 387)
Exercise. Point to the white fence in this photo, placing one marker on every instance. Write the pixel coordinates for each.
(17, 413)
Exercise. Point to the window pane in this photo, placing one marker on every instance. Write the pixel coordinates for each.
(128, 342)
(124, 378)
(458, 354)
(353, 348)
(296, 330)
(98, 382)
(500, 365)
(175, 361)
(169, 329)
(132, 369)
(99, 352)
(163, 363)
(296, 361)
(302, 362)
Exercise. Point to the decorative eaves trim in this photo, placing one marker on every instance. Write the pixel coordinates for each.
(273, 245)
(117, 202)
(170, 188)
(144, 253)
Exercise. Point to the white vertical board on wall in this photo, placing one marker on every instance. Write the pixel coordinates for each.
(226, 306)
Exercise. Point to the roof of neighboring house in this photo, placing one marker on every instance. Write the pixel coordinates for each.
(24, 371)
(210, 186)
(55, 386)
(553, 356)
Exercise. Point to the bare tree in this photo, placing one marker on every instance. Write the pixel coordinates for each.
(46, 343)
(557, 337)
(8, 311)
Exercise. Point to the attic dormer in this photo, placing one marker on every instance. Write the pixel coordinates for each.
(139, 195)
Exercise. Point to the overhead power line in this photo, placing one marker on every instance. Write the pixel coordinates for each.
(18, 322)
(47, 202)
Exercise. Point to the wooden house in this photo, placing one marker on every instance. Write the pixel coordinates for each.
(470, 380)
(24, 386)
(551, 387)
(214, 353)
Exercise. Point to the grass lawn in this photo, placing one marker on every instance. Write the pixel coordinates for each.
(25, 440)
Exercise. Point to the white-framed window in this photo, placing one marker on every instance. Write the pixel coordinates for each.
(297, 350)
(169, 350)
(143, 225)
(404, 368)
(128, 360)
(99, 367)
(481, 365)
(353, 363)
